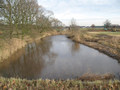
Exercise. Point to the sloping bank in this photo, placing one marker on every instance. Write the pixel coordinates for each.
(11, 46)
(109, 45)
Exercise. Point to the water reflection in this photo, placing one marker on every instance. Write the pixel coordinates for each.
(75, 47)
(28, 62)
(57, 57)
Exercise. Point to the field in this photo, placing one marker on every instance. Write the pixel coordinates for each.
(106, 33)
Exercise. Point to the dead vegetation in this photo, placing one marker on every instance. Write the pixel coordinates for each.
(23, 84)
(10, 46)
(94, 77)
(109, 45)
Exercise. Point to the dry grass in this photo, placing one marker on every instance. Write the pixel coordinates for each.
(105, 43)
(10, 46)
(19, 84)
(94, 77)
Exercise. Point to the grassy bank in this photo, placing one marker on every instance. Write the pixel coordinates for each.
(10, 46)
(105, 42)
(23, 84)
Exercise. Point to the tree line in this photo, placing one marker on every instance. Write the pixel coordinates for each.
(107, 25)
(23, 15)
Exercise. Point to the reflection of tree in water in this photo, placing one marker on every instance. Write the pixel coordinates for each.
(30, 64)
(75, 47)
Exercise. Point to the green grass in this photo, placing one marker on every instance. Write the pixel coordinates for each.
(106, 33)
(110, 33)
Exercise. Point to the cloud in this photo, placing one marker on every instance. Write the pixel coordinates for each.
(96, 2)
(95, 11)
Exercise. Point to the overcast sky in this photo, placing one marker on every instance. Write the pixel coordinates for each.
(86, 12)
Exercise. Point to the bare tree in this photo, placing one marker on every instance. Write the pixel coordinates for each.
(93, 26)
(7, 13)
(73, 22)
(73, 25)
(57, 24)
(25, 15)
(107, 24)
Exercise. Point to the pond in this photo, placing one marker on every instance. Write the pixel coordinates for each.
(57, 57)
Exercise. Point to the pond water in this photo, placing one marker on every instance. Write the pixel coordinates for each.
(57, 57)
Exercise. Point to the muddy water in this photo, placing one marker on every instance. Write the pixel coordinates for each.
(57, 57)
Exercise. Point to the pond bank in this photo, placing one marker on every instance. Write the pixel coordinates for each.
(106, 44)
(11, 46)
